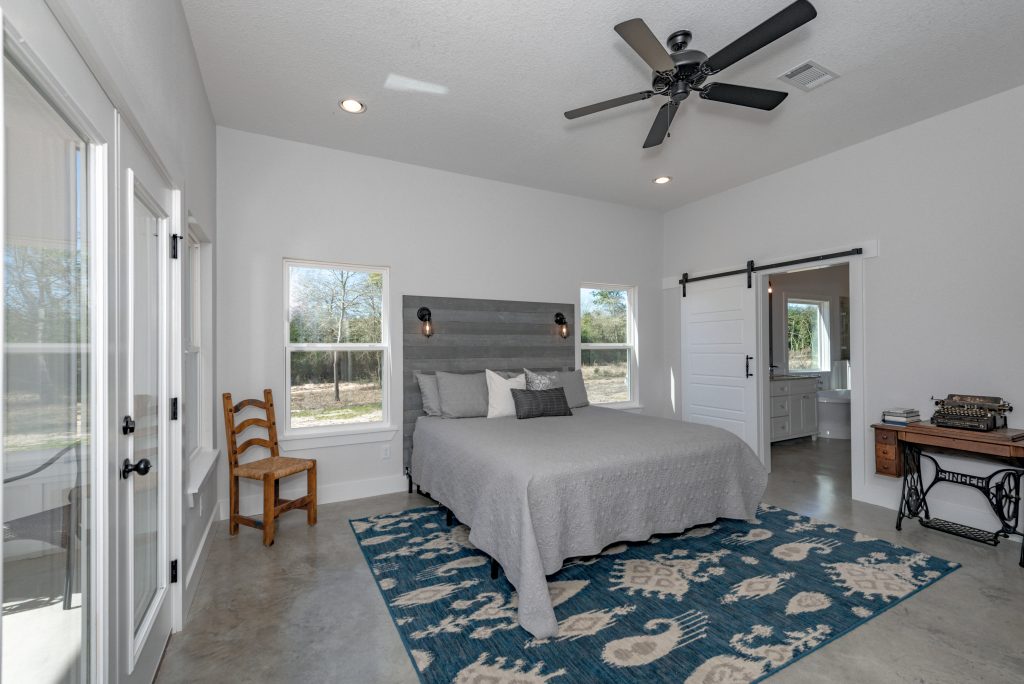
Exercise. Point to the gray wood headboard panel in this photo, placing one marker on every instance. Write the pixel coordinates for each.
(476, 334)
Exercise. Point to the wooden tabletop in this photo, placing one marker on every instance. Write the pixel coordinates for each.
(1004, 442)
(998, 436)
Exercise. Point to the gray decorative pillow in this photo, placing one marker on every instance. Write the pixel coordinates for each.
(462, 395)
(540, 403)
(572, 381)
(575, 390)
(541, 380)
(428, 391)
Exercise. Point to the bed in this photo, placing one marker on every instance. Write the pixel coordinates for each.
(536, 492)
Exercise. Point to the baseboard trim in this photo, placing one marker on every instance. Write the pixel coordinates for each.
(326, 493)
(200, 551)
(191, 585)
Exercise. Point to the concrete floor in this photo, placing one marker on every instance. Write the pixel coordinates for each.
(308, 610)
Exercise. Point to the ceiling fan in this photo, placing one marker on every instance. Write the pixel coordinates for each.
(683, 71)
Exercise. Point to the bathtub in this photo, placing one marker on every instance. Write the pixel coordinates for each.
(834, 413)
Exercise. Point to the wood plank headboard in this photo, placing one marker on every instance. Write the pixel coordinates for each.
(471, 335)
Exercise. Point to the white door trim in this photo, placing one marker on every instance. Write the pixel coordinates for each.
(857, 356)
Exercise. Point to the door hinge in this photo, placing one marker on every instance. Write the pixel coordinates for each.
(174, 572)
(174, 245)
(174, 408)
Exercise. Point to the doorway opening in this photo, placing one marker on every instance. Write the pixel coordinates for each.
(809, 347)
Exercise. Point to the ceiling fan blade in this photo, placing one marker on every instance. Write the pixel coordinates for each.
(642, 40)
(758, 98)
(661, 123)
(794, 16)
(608, 104)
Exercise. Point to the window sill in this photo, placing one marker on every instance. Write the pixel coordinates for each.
(623, 406)
(322, 440)
(200, 463)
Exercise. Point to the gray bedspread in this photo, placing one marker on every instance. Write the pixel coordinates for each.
(536, 492)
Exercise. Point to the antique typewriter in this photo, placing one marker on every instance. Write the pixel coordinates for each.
(971, 412)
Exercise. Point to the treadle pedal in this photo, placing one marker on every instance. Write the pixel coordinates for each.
(965, 531)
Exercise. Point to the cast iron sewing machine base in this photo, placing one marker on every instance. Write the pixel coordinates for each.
(1001, 490)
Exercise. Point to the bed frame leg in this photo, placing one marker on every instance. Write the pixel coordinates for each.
(409, 475)
(448, 517)
(494, 569)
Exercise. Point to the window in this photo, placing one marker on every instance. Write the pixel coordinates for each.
(807, 340)
(608, 343)
(336, 342)
(193, 410)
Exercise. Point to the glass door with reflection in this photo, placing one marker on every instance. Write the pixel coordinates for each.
(48, 446)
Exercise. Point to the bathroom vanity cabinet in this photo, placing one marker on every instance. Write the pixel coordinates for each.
(794, 407)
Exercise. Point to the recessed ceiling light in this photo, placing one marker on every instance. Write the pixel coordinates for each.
(352, 106)
(661, 180)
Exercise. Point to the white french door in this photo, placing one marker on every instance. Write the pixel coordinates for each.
(59, 131)
(720, 363)
(145, 227)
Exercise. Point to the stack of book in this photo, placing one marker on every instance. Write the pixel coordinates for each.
(901, 416)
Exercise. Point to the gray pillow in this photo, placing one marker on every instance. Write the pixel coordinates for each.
(429, 393)
(572, 381)
(575, 390)
(462, 395)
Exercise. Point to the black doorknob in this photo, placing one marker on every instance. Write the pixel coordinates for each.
(142, 467)
(127, 425)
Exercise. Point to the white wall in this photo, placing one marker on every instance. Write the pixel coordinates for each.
(442, 234)
(942, 299)
(142, 55)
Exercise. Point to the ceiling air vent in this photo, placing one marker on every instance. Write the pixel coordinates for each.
(808, 75)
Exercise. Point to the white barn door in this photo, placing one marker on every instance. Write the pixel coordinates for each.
(720, 363)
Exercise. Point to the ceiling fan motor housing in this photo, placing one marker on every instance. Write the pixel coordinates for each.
(687, 73)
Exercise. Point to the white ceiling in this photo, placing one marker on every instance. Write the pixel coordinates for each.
(507, 70)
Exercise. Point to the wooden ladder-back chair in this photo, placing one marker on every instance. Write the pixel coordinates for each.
(270, 470)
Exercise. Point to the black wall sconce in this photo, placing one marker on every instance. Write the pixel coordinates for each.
(423, 313)
(563, 325)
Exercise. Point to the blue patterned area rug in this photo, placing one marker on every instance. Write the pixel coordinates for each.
(730, 602)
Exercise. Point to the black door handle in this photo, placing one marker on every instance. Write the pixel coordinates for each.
(749, 374)
(127, 425)
(142, 467)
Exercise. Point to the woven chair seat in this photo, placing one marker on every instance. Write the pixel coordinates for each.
(282, 466)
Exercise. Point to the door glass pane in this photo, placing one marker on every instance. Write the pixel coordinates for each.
(47, 450)
(606, 374)
(146, 393)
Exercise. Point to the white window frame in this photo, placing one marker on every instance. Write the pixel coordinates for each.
(193, 250)
(197, 248)
(382, 426)
(630, 345)
(824, 332)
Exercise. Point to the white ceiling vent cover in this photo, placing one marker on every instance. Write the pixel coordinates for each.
(808, 76)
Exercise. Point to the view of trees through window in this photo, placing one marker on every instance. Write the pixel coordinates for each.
(803, 335)
(605, 345)
(336, 351)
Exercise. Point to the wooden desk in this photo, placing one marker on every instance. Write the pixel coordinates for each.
(898, 452)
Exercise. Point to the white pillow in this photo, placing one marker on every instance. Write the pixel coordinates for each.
(499, 394)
